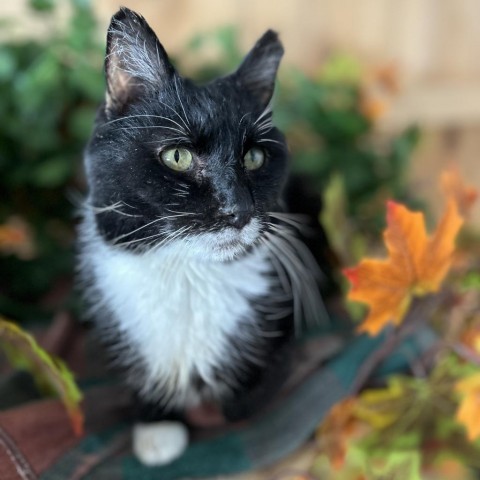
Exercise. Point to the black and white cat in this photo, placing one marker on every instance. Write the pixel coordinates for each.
(197, 273)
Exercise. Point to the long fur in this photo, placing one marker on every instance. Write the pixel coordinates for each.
(194, 305)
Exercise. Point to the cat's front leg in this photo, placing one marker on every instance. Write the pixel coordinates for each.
(159, 443)
(159, 436)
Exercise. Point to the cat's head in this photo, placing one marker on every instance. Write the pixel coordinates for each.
(170, 160)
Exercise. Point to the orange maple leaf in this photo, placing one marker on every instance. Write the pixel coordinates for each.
(416, 265)
(337, 430)
(468, 412)
(454, 186)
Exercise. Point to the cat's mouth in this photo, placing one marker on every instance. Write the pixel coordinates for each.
(228, 243)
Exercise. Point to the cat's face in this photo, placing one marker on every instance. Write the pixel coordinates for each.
(169, 160)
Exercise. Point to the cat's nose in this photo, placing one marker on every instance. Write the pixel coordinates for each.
(236, 218)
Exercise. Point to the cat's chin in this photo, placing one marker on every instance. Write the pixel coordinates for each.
(227, 244)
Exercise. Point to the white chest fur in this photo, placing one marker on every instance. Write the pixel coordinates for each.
(176, 310)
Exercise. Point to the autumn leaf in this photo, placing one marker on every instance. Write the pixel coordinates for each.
(50, 373)
(468, 413)
(416, 265)
(337, 431)
(16, 238)
(454, 186)
(381, 407)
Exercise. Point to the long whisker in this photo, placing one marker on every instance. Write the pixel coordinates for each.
(163, 127)
(264, 140)
(298, 273)
(159, 219)
(176, 113)
(111, 208)
(267, 111)
(295, 220)
(180, 100)
(145, 116)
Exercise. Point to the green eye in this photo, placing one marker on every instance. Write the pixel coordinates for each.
(178, 159)
(254, 159)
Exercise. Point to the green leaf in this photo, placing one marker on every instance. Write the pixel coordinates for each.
(341, 68)
(42, 5)
(8, 65)
(52, 172)
(397, 465)
(471, 281)
(50, 373)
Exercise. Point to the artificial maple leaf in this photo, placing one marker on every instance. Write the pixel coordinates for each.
(50, 373)
(16, 238)
(468, 413)
(454, 186)
(338, 429)
(416, 265)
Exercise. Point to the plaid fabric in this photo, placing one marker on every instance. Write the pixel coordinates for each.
(36, 441)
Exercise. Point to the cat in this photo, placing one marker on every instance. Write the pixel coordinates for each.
(197, 273)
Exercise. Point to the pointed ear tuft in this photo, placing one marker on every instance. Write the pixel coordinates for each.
(258, 70)
(135, 60)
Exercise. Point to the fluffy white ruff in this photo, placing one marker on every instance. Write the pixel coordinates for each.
(159, 443)
(177, 307)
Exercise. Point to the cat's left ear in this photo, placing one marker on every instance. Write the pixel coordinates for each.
(258, 70)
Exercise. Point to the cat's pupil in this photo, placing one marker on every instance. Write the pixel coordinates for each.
(176, 156)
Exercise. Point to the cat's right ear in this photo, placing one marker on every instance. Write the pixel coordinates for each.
(135, 62)
(258, 70)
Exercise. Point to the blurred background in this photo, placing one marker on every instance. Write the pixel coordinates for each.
(376, 98)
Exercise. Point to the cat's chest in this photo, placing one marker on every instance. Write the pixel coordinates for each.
(179, 313)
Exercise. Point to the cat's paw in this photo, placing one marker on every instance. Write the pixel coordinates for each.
(159, 443)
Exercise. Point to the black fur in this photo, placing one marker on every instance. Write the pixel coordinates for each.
(149, 107)
(123, 155)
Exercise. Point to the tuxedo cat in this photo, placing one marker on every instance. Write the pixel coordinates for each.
(196, 264)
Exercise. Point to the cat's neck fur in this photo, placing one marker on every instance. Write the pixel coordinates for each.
(178, 312)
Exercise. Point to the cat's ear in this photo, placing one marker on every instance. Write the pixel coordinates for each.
(258, 70)
(135, 60)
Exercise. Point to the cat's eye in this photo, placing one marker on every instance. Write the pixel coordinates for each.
(178, 159)
(254, 159)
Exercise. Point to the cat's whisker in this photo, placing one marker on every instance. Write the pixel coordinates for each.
(131, 242)
(180, 100)
(173, 235)
(267, 111)
(291, 268)
(300, 248)
(296, 262)
(123, 235)
(271, 140)
(170, 237)
(111, 208)
(291, 223)
(159, 219)
(180, 214)
(176, 113)
(264, 128)
(298, 218)
(243, 118)
(129, 117)
(169, 141)
(146, 127)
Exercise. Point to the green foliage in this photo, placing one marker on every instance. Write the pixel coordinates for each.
(50, 373)
(329, 135)
(49, 90)
(471, 281)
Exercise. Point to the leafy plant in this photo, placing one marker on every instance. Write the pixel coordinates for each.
(49, 91)
(50, 373)
(414, 424)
